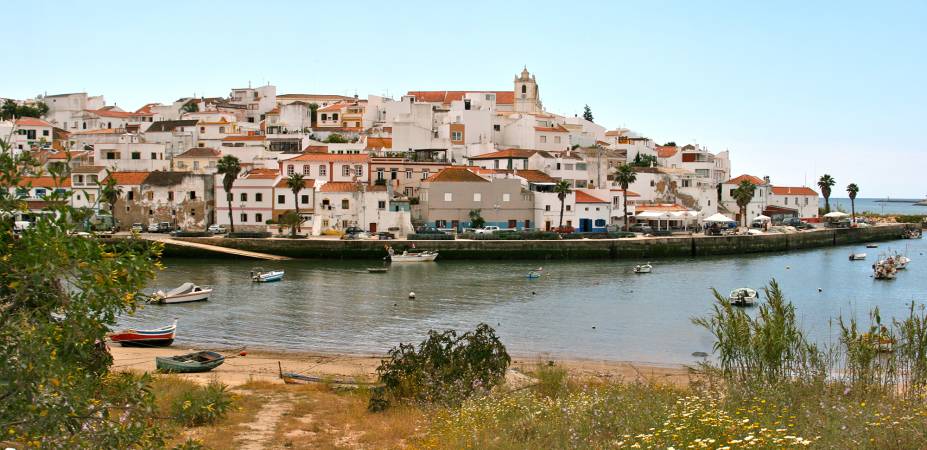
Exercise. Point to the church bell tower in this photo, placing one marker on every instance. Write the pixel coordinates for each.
(527, 96)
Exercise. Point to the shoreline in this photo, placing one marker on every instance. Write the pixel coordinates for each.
(262, 365)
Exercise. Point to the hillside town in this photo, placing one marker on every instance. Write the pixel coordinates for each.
(445, 160)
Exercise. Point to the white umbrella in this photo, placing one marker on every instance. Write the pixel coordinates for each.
(718, 217)
(761, 218)
(835, 215)
(651, 215)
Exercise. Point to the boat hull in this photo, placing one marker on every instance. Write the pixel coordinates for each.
(200, 296)
(420, 257)
(268, 277)
(166, 342)
(205, 361)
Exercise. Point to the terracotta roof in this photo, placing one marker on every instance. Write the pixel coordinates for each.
(585, 197)
(666, 151)
(315, 96)
(630, 193)
(169, 125)
(379, 142)
(44, 182)
(100, 131)
(262, 174)
(508, 153)
(31, 122)
(790, 190)
(670, 207)
(127, 178)
(616, 132)
(200, 152)
(245, 138)
(146, 109)
(556, 129)
(316, 149)
(535, 176)
(329, 157)
(333, 107)
(456, 174)
(752, 179)
(446, 97)
(87, 169)
(64, 155)
(107, 112)
(307, 183)
(339, 186)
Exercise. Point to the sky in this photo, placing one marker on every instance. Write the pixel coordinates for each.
(794, 89)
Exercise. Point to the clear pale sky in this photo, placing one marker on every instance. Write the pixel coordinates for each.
(793, 89)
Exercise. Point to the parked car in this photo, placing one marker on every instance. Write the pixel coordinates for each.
(428, 230)
(137, 228)
(797, 223)
(641, 228)
(153, 228)
(162, 227)
(216, 229)
(487, 230)
(385, 236)
(355, 233)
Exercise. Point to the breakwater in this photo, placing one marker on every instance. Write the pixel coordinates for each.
(675, 246)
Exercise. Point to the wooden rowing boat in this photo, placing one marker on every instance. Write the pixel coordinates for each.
(190, 363)
(158, 337)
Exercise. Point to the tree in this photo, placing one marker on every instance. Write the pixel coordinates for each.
(11, 110)
(313, 108)
(60, 293)
(624, 177)
(476, 219)
(670, 144)
(296, 183)
(110, 192)
(336, 138)
(642, 160)
(825, 183)
(852, 190)
(190, 107)
(562, 189)
(743, 195)
(230, 168)
(587, 113)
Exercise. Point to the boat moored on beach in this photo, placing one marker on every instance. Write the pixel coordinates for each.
(189, 363)
(157, 337)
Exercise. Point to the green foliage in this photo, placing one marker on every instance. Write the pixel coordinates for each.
(190, 444)
(825, 183)
(59, 295)
(296, 184)
(910, 218)
(229, 167)
(551, 379)
(587, 113)
(563, 188)
(10, 110)
(445, 369)
(202, 406)
(670, 144)
(476, 219)
(642, 160)
(110, 192)
(190, 107)
(624, 176)
(743, 195)
(336, 138)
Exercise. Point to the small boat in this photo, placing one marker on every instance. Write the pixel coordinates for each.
(743, 297)
(882, 342)
(901, 262)
(185, 293)
(259, 275)
(158, 337)
(189, 363)
(406, 256)
(377, 269)
(643, 268)
(884, 269)
(872, 245)
(536, 273)
(857, 256)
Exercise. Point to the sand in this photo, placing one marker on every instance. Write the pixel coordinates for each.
(263, 366)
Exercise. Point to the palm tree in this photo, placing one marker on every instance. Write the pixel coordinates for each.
(110, 192)
(229, 167)
(562, 189)
(624, 177)
(295, 183)
(825, 183)
(743, 195)
(852, 190)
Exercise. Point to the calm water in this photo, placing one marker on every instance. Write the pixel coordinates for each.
(337, 306)
(878, 206)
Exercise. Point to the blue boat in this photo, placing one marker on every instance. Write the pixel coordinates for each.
(261, 276)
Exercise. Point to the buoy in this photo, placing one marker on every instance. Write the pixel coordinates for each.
(820, 290)
(534, 293)
(243, 353)
(593, 327)
(395, 304)
(411, 294)
(787, 267)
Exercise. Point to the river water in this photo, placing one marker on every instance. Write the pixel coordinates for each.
(878, 206)
(579, 309)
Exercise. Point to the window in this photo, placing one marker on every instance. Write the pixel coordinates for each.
(408, 174)
(556, 139)
(558, 166)
(44, 132)
(786, 201)
(686, 183)
(345, 204)
(806, 201)
(304, 199)
(359, 170)
(281, 199)
(192, 195)
(307, 170)
(524, 89)
(546, 207)
(243, 217)
(324, 117)
(289, 169)
(202, 129)
(496, 127)
(448, 197)
(243, 197)
(456, 136)
(170, 196)
(381, 204)
(569, 208)
(345, 170)
(322, 170)
(524, 164)
(136, 155)
(543, 139)
(130, 195)
(495, 164)
(506, 197)
(154, 155)
(600, 222)
(334, 116)
(379, 174)
(258, 197)
(425, 173)
(440, 224)
(580, 166)
(477, 196)
(393, 173)
(731, 192)
(196, 165)
(258, 217)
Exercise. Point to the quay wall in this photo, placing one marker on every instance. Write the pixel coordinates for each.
(675, 246)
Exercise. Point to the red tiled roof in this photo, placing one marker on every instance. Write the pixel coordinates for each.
(200, 152)
(105, 112)
(752, 179)
(616, 132)
(64, 155)
(31, 122)
(535, 176)
(245, 138)
(508, 153)
(339, 186)
(670, 207)
(333, 107)
(311, 156)
(630, 193)
(262, 174)
(666, 151)
(379, 142)
(556, 129)
(316, 149)
(127, 178)
(584, 197)
(446, 97)
(100, 131)
(308, 183)
(789, 190)
(44, 182)
(456, 174)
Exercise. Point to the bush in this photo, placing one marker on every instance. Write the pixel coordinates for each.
(430, 237)
(191, 234)
(202, 406)
(445, 369)
(250, 234)
(911, 218)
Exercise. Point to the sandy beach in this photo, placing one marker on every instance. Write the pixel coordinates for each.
(264, 366)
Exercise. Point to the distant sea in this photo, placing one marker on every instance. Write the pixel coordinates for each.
(878, 205)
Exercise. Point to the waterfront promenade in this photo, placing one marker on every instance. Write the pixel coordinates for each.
(640, 247)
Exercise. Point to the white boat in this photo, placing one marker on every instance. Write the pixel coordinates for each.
(885, 269)
(743, 297)
(406, 256)
(857, 256)
(259, 275)
(185, 293)
(643, 268)
(901, 262)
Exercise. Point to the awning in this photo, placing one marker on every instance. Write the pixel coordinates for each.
(835, 215)
(718, 218)
(652, 215)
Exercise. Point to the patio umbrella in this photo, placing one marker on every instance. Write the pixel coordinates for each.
(761, 218)
(835, 215)
(718, 218)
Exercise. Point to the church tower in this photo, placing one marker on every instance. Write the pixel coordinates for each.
(527, 96)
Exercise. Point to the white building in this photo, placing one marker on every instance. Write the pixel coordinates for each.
(252, 200)
(128, 153)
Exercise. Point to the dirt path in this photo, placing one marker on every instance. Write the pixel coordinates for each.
(262, 430)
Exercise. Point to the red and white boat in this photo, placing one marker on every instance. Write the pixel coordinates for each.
(158, 337)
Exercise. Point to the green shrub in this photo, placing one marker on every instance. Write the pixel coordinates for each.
(249, 234)
(552, 379)
(910, 218)
(430, 237)
(202, 406)
(190, 444)
(445, 369)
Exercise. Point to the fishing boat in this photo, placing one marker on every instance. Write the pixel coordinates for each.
(158, 337)
(884, 269)
(536, 273)
(185, 293)
(901, 262)
(857, 256)
(259, 275)
(189, 363)
(743, 297)
(407, 256)
(643, 268)
(872, 245)
(377, 269)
